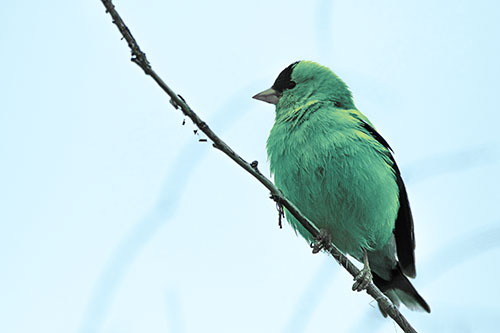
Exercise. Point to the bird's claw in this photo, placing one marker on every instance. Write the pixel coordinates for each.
(322, 242)
(363, 279)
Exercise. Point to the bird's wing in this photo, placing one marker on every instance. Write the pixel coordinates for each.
(359, 116)
(403, 231)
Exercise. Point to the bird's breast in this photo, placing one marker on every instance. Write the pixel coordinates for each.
(338, 180)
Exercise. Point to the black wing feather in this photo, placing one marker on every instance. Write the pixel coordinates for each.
(403, 232)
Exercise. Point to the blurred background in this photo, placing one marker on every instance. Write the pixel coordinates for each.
(115, 218)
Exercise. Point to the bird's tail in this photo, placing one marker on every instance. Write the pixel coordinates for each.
(400, 290)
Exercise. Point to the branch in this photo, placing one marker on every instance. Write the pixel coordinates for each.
(140, 59)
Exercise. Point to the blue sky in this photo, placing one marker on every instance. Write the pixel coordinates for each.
(114, 218)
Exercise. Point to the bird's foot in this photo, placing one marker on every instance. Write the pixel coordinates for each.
(364, 277)
(322, 242)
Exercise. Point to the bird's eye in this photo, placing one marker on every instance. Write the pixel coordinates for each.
(291, 85)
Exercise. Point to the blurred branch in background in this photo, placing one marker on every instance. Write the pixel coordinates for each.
(130, 245)
(175, 316)
(460, 250)
(452, 162)
(159, 215)
(324, 35)
(140, 59)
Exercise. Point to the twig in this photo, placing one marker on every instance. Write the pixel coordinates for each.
(140, 59)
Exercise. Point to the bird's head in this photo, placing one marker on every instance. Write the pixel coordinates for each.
(306, 81)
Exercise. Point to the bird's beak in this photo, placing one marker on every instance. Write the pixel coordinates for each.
(270, 96)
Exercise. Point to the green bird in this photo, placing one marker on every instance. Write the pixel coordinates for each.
(328, 159)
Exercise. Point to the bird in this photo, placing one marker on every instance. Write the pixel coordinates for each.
(328, 159)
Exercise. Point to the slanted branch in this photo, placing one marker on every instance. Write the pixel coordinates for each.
(178, 102)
